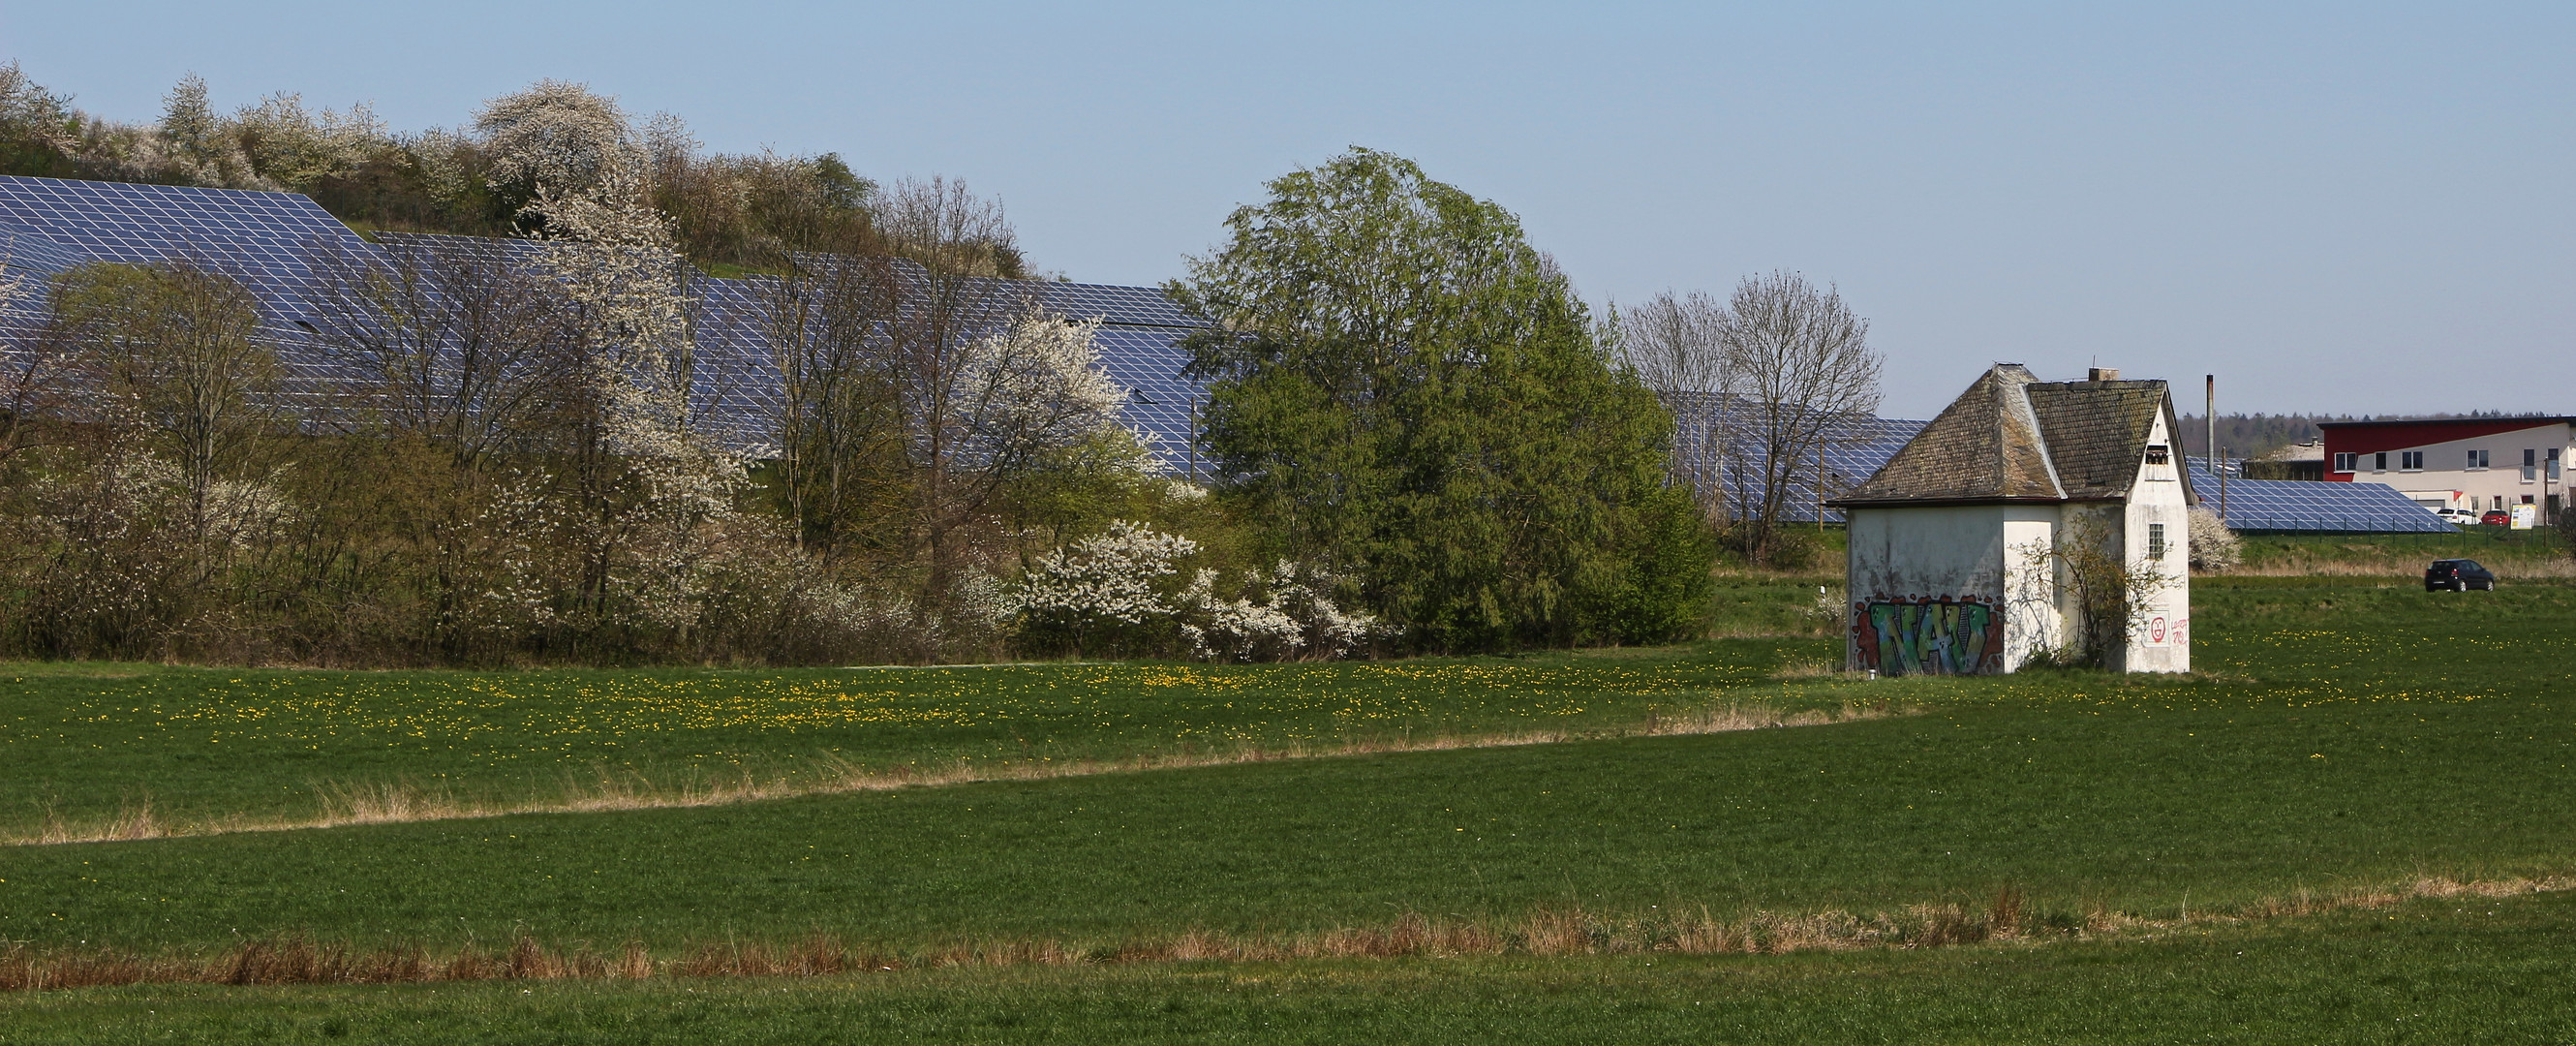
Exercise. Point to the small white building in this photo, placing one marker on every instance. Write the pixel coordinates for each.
(1973, 548)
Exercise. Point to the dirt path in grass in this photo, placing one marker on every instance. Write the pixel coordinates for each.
(404, 801)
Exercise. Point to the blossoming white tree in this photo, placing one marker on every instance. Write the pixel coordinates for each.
(654, 539)
(558, 137)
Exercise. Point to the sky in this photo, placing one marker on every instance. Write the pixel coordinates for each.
(2335, 208)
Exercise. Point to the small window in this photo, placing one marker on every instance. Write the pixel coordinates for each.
(2346, 462)
(2155, 541)
(2477, 459)
(2410, 460)
(2158, 455)
(2379, 462)
(2552, 467)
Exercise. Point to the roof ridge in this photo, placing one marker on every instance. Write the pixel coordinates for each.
(2020, 404)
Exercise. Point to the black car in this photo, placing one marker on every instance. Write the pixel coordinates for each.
(2458, 575)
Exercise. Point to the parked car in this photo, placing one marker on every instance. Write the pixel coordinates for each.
(2458, 517)
(2458, 575)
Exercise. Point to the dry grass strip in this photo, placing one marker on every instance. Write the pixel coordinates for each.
(1569, 932)
(404, 801)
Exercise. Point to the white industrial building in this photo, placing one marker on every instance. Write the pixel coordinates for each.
(1969, 548)
(2484, 464)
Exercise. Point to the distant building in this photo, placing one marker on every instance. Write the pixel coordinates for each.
(2299, 461)
(1964, 545)
(2484, 464)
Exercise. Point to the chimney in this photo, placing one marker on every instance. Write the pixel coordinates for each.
(2102, 374)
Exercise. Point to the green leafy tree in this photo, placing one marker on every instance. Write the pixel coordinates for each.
(1403, 389)
(173, 349)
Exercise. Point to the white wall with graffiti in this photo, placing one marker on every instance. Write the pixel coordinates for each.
(1938, 590)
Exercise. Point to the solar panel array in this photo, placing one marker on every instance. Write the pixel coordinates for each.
(270, 242)
(265, 240)
(737, 388)
(2310, 506)
(1720, 442)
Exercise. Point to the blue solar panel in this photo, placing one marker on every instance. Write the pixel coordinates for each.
(28, 252)
(1719, 443)
(2292, 506)
(265, 240)
(736, 388)
(1118, 306)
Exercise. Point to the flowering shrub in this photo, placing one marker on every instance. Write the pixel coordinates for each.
(1294, 615)
(1104, 594)
(1114, 594)
(2213, 545)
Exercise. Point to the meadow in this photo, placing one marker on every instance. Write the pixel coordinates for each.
(2364, 786)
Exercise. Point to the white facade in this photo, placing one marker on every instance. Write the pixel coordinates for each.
(2156, 544)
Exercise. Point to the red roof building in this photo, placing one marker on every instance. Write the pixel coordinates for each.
(2483, 464)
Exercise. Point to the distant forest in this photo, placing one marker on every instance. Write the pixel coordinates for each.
(2254, 435)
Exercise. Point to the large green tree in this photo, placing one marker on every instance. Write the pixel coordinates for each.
(1403, 388)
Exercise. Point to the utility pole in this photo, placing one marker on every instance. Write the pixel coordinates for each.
(2209, 444)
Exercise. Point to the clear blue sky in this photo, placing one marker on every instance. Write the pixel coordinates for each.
(2334, 207)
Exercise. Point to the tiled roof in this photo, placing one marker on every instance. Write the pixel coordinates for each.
(1984, 446)
(2012, 437)
(2096, 431)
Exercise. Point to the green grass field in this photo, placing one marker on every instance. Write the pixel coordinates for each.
(2345, 736)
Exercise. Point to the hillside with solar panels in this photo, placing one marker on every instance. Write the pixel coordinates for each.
(289, 386)
(560, 385)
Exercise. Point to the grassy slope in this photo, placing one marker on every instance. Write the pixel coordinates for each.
(2512, 553)
(2425, 972)
(2358, 734)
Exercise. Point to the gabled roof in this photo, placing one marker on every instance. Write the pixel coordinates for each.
(2097, 431)
(2012, 437)
(1985, 446)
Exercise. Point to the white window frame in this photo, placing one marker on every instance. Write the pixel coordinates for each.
(2410, 461)
(2478, 460)
(2156, 547)
(2347, 462)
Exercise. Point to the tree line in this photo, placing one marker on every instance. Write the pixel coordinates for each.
(1421, 439)
(725, 211)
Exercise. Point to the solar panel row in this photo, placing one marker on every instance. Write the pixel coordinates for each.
(2309, 506)
(1721, 443)
(270, 242)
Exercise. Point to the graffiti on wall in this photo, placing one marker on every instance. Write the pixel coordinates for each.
(1929, 635)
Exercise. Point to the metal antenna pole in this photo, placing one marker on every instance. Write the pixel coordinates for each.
(2209, 442)
(2218, 464)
